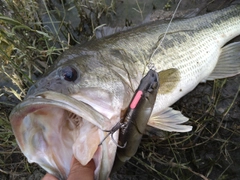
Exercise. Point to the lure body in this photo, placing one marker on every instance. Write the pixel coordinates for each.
(136, 118)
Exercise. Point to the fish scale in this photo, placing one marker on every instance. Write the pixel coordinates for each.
(95, 81)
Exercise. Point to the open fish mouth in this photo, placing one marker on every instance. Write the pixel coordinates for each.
(50, 127)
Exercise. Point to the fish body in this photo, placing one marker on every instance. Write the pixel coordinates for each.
(89, 88)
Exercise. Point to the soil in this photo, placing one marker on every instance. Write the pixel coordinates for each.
(211, 150)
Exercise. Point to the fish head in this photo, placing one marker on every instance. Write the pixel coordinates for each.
(65, 114)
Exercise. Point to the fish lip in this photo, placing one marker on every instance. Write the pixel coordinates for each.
(56, 99)
(49, 98)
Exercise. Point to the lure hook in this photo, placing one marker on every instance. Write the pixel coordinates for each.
(118, 126)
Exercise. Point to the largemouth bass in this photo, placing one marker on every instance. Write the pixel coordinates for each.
(89, 88)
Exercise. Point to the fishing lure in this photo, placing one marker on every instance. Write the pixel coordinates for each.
(136, 117)
(138, 113)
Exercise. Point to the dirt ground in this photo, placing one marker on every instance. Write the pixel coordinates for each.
(210, 151)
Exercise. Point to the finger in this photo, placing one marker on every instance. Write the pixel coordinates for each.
(80, 172)
(49, 177)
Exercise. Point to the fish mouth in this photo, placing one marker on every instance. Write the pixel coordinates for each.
(50, 127)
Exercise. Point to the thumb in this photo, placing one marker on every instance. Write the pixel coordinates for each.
(80, 172)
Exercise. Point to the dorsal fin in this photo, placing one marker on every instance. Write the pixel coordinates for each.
(228, 63)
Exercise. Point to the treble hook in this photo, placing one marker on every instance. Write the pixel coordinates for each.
(118, 126)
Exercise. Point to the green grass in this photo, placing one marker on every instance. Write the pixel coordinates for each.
(27, 48)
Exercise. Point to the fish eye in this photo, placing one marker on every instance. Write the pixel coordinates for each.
(69, 73)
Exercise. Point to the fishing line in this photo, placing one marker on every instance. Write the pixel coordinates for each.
(150, 64)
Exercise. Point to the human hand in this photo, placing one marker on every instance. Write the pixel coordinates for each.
(77, 171)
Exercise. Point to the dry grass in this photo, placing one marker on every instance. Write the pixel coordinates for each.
(210, 151)
(28, 47)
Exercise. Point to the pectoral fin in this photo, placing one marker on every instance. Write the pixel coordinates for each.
(168, 80)
(169, 120)
(229, 62)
